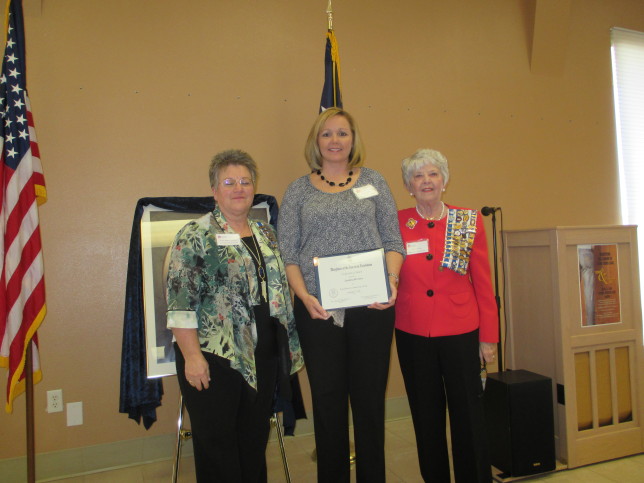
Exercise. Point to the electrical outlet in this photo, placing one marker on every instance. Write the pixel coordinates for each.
(55, 401)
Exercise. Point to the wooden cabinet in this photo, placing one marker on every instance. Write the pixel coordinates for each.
(573, 311)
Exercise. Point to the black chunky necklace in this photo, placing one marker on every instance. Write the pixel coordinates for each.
(332, 183)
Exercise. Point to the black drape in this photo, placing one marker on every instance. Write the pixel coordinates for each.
(141, 396)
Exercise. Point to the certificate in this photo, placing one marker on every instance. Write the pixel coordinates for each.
(352, 279)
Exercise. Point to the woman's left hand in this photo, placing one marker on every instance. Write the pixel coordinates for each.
(487, 352)
(390, 302)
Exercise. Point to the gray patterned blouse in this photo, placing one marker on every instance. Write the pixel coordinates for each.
(314, 223)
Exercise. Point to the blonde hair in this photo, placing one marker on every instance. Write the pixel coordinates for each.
(312, 150)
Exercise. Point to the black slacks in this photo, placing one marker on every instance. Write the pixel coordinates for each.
(349, 363)
(436, 370)
(230, 421)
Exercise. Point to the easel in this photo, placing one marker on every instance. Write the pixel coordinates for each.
(183, 434)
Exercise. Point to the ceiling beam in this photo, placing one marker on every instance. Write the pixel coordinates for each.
(550, 36)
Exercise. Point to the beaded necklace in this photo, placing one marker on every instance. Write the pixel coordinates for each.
(432, 217)
(332, 183)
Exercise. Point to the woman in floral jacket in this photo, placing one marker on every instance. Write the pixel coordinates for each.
(230, 312)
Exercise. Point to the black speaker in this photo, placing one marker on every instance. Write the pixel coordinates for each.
(520, 423)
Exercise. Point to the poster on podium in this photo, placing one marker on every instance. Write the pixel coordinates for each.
(599, 285)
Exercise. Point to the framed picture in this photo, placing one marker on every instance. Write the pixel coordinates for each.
(599, 285)
(158, 229)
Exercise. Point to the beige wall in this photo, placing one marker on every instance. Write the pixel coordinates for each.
(131, 98)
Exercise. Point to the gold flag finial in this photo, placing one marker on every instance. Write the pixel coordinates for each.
(329, 15)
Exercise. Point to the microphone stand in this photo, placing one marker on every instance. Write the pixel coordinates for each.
(496, 291)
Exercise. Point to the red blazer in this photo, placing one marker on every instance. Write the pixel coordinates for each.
(434, 301)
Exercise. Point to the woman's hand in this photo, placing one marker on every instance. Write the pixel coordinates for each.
(312, 304)
(394, 262)
(316, 311)
(197, 372)
(487, 352)
(390, 302)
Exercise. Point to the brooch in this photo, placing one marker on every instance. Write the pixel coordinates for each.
(411, 223)
(269, 234)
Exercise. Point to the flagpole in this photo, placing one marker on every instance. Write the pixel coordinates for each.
(29, 397)
(22, 309)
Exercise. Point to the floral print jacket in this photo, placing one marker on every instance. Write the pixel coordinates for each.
(212, 288)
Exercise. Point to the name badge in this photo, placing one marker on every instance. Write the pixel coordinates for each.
(420, 246)
(228, 239)
(365, 192)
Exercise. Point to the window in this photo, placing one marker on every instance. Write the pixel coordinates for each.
(627, 52)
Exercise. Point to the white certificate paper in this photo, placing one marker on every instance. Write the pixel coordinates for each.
(352, 279)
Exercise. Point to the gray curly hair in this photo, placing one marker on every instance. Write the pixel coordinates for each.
(421, 158)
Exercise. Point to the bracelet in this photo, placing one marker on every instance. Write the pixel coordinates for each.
(396, 278)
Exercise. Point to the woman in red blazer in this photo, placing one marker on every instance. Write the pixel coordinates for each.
(446, 323)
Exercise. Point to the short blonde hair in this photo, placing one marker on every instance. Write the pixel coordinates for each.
(312, 150)
(421, 158)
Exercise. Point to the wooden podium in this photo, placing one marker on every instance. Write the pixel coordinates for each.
(574, 314)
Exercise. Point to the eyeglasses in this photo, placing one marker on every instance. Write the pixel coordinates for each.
(231, 182)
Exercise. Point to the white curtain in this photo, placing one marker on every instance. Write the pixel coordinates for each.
(627, 52)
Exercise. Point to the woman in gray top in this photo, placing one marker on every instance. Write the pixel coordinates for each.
(342, 207)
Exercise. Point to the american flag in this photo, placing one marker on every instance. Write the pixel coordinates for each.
(22, 283)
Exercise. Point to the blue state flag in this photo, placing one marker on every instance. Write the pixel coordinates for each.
(331, 96)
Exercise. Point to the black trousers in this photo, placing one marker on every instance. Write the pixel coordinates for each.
(436, 370)
(230, 421)
(349, 363)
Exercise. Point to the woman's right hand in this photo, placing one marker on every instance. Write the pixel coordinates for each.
(312, 304)
(316, 311)
(197, 372)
